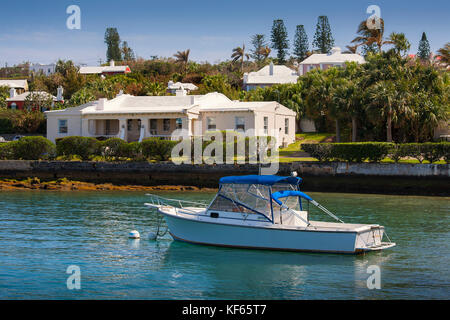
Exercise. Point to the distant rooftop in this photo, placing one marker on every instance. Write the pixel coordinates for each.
(271, 74)
(336, 56)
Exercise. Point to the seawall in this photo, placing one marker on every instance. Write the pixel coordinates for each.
(409, 179)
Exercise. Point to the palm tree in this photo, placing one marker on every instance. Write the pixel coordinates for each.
(183, 58)
(401, 44)
(444, 53)
(239, 54)
(265, 52)
(393, 101)
(370, 36)
(351, 49)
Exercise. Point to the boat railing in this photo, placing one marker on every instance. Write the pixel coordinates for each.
(176, 204)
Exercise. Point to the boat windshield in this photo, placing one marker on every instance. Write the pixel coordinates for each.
(251, 198)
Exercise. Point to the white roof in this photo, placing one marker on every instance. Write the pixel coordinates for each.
(334, 57)
(23, 96)
(179, 85)
(22, 84)
(212, 102)
(281, 74)
(98, 70)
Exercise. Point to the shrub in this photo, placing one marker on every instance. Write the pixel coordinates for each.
(433, 152)
(132, 150)
(377, 151)
(84, 147)
(113, 148)
(320, 151)
(6, 150)
(158, 149)
(33, 148)
(6, 125)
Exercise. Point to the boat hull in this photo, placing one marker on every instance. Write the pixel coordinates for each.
(229, 235)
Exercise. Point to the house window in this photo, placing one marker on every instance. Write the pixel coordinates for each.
(211, 123)
(179, 123)
(129, 124)
(240, 123)
(62, 124)
(166, 124)
(153, 126)
(286, 125)
(266, 125)
(13, 106)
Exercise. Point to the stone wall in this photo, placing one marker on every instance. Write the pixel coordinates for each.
(418, 179)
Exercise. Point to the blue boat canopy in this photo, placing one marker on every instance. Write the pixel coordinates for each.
(264, 180)
(289, 193)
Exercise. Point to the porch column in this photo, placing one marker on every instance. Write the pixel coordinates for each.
(143, 129)
(84, 130)
(123, 129)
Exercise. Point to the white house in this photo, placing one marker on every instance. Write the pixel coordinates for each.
(134, 118)
(19, 85)
(106, 70)
(172, 87)
(324, 61)
(44, 69)
(268, 76)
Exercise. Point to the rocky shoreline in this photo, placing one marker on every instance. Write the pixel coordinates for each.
(70, 185)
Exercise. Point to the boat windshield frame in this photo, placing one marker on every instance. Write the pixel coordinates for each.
(270, 215)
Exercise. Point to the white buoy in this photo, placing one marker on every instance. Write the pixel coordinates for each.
(134, 234)
(152, 236)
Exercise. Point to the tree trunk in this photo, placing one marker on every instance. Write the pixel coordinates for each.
(298, 129)
(354, 128)
(389, 128)
(338, 131)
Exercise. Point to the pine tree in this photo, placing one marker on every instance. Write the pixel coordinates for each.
(258, 42)
(112, 40)
(323, 39)
(280, 40)
(424, 48)
(300, 43)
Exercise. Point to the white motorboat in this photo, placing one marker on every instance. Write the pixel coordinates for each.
(265, 212)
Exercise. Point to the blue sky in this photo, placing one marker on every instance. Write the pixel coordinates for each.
(36, 31)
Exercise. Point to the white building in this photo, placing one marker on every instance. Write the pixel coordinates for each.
(106, 70)
(268, 76)
(134, 118)
(172, 87)
(19, 85)
(43, 69)
(324, 61)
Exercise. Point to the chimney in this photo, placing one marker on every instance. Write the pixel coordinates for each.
(271, 69)
(180, 92)
(112, 63)
(12, 93)
(101, 104)
(59, 95)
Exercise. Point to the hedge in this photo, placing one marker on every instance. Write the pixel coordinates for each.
(84, 147)
(377, 151)
(27, 148)
(157, 148)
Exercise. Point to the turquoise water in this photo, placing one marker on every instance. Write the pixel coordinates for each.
(42, 233)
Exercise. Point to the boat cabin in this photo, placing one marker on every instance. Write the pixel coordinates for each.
(274, 199)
